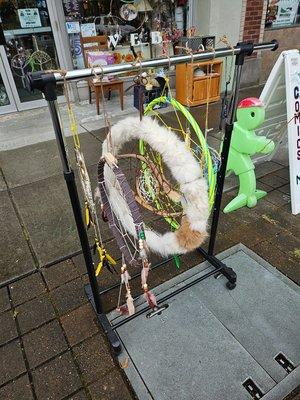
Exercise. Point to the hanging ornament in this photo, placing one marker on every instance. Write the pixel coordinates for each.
(128, 12)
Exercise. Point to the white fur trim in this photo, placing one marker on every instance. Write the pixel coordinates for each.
(184, 168)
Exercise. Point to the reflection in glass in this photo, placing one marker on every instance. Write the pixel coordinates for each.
(30, 44)
(4, 100)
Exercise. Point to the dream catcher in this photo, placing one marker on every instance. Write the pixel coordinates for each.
(19, 59)
(39, 60)
(105, 260)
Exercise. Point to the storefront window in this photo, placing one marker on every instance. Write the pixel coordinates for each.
(29, 40)
(118, 20)
(282, 13)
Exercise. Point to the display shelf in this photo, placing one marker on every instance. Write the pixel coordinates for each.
(195, 90)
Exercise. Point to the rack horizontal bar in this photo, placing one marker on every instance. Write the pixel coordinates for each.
(110, 328)
(166, 298)
(158, 62)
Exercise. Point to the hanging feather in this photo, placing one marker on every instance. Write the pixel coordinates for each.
(122, 276)
(144, 275)
(125, 277)
(87, 216)
(101, 252)
(146, 247)
(99, 268)
(123, 310)
(97, 195)
(110, 259)
(187, 139)
(151, 299)
(143, 254)
(103, 215)
(129, 302)
(101, 255)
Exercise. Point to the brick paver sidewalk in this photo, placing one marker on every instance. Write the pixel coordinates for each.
(51, 346)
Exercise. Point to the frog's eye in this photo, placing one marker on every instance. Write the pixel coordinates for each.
(253, 114)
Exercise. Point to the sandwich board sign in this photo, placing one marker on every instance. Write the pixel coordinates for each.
(281, 97)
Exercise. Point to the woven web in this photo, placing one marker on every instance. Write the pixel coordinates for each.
(129, 241)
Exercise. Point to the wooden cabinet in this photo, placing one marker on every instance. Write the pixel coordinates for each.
(193, 88)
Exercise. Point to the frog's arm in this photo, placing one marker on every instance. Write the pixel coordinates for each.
(247, 142)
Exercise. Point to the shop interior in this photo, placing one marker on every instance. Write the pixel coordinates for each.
(130, 30)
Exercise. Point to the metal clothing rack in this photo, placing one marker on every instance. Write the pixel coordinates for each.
(47, 84)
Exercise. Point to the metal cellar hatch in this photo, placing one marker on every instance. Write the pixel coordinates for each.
(211, 343)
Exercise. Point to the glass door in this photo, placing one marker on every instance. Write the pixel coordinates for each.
(30, 46)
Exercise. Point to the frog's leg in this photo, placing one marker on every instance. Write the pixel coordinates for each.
(248, 195)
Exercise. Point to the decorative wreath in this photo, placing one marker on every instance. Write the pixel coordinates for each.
(185, 170)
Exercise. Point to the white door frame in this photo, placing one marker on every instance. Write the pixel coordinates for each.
(11, 107)
(61, 38)
(60, 34)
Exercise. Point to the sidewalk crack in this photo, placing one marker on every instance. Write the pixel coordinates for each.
(24, 229)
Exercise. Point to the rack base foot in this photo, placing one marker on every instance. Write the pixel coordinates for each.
(105, 324)
(222, 268)
(230, 285)
(230, 275)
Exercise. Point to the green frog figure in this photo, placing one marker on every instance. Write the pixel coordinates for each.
(244, 144)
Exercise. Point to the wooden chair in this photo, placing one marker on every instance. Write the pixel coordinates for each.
(99, 43)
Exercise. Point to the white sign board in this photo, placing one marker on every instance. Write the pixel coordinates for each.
(73, 27)
(88, 29)
(286, 12)
(292, 74)
(281, 97)
(29, 17)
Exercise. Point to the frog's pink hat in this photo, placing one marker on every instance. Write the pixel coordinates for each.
(250, 102)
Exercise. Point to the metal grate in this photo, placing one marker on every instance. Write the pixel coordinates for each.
(253, 389)
(284, 363)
